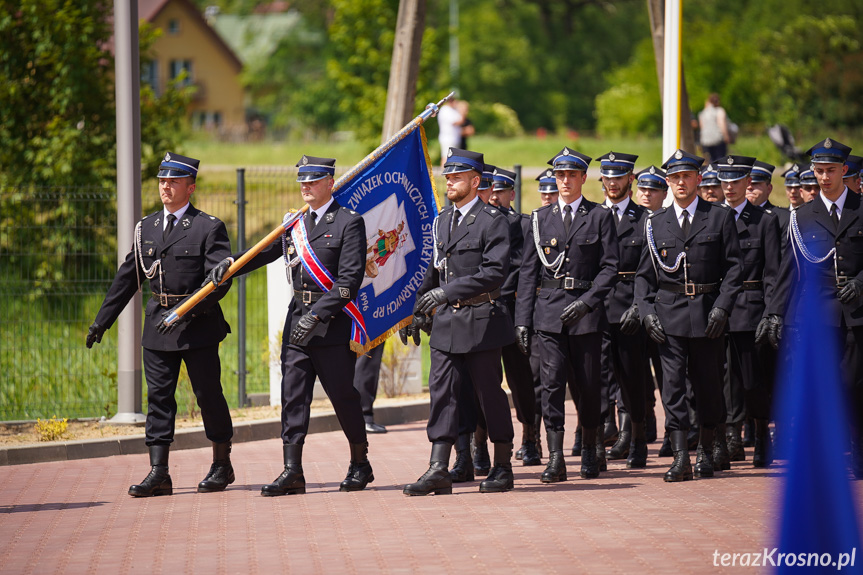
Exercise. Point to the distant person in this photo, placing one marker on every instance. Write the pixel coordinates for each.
(709, 189)
(651, 188)
(792, 187)
(450, 121)
(713, 124)
(809, 188)
(467, 127)
(852, 176)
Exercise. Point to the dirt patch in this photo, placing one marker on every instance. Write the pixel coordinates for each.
(25, 434)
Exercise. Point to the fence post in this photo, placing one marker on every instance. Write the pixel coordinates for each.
(241, 289)
(517, 170)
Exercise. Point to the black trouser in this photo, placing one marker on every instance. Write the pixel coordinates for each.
(367, 374)
(750, 377)
(608, 377)
(535, 370)
(629, 356)
(579, 354)
(334, 365)
(520, 381)
(702, 359)
(162, 369)
(448, 372)
(852, 369)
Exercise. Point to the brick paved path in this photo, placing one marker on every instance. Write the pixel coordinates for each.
(75, 517)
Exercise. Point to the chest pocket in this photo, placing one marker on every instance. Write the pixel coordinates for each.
(188, 257)
(818, 242)
(468, 256)
(855, 235)
(632, 243)
(551, 242)
(750, 247)
(667, 249)
(325, 242)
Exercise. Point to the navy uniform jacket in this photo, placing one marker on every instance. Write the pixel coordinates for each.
(819, 235)
(591, 254)
(196, 244)
(758, 231)
(782, 214)
(477, 262)
(516, 250)
(339, 240)
(712, 256)
(630, 238)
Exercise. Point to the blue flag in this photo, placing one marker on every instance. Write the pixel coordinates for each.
(396, 196)
(818, 509)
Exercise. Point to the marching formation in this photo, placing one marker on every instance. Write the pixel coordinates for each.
(606, 300)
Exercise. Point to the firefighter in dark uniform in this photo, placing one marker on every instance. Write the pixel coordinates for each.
(317, 333)
(569, 267)
(687, 282)
(459, 295)
(627, 339)
(827, 233)
(759, 190)
(792, 190)
(756, 318)
(852, 176)
(516, 365)
(652, 189)
(175, 248)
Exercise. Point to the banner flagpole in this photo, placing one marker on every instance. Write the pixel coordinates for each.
(190, 302)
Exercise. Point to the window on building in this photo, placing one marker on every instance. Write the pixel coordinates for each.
(150, 75)
(178, 67)
(207, 120)
(173, 27)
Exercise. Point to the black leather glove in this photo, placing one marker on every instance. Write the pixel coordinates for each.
(654, 328)
(303, 330)
(574, 312)
(762, 330)
(850, 290)
(94, 334)
(716, 320)
(430, 300)
(165, 329)
(630, 321)
(774, 334)
(217, 274)
(413, 330)
(522, 339)
(424, 323)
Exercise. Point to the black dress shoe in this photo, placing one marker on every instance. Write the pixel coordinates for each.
(291, 481)
(221, 472)
(437, 479)
(372, 427)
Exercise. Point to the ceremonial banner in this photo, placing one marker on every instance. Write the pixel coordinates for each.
(397, 198)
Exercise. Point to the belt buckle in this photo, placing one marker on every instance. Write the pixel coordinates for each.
(689, 288)
(840, 280)
(307, 297)
(163, 299)
(568, 283)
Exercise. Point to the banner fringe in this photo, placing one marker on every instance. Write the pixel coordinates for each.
(362, 349)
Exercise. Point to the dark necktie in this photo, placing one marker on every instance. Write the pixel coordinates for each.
(456, 218)
(685, 225)
(567, 218)
(834, 215)
(170, 226)
(616, 212)
(313, 219)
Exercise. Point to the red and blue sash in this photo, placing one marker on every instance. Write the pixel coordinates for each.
(324, 279)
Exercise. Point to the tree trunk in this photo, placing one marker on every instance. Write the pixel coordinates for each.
(402, 88)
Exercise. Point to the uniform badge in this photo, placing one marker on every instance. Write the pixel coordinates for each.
(547, 251)
(678, 155)
(330, 217)
(828, 144)
(611, 156)
(554, 241)
(493, 211)
(549, 174)
(664, 252)
(652, 170)
(291, 250)
(344, 293)
(150, 252)
(167, 157)
(555, 209)
(305, 160)
(328, 235)
(156, 223)
(186, 223)
(730, 160)
(795, 168)
(566, 152)
(449, 153)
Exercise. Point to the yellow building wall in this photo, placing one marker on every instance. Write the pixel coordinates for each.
(219, 88)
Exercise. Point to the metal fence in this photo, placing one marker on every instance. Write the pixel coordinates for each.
(58, 256)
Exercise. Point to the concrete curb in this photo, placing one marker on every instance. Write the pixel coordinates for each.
(194, 438)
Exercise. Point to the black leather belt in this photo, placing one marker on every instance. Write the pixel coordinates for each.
(566, 283)
(168, 300)
(626, 276)
(688, 288)
(753, 285)
(482, 298)
(308, 297)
